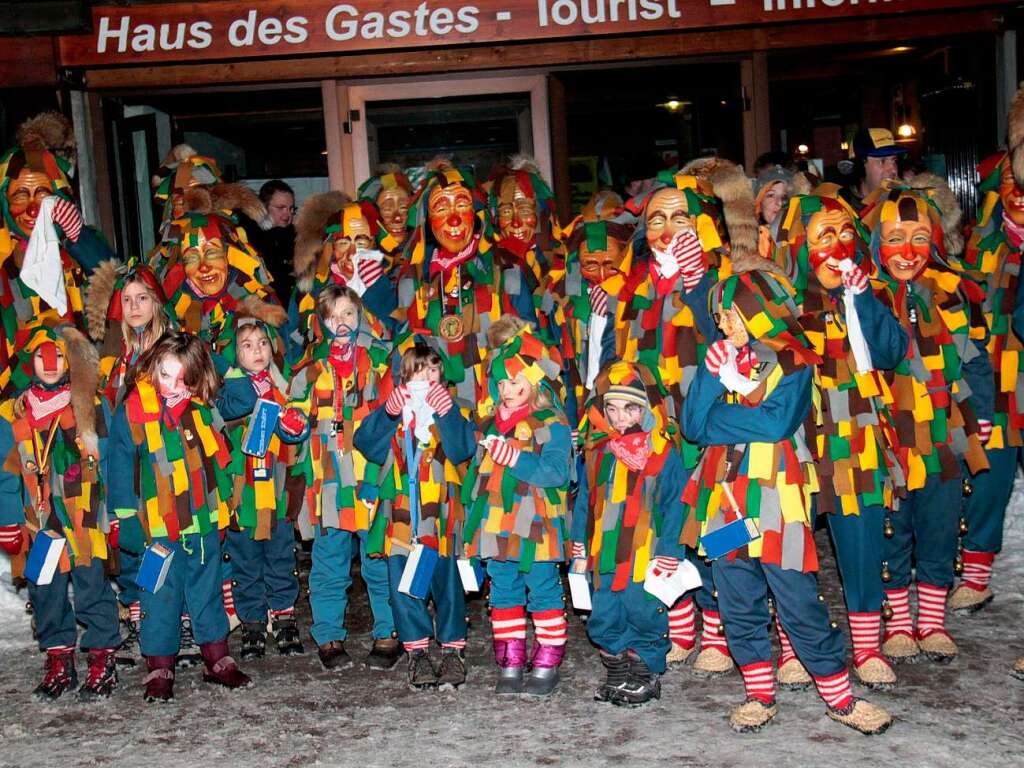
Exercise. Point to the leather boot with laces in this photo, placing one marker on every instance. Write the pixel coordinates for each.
(422, 674)
(102, 677)
(59, 674)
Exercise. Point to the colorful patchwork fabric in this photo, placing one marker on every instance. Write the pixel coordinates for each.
(184, 486)
(624, 518)
(992, 261)
(71, 500)
(441, 513)
(328, 471)
(769, 483)
(506, 518)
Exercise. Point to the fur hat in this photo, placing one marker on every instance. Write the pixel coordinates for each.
(309, 234)
(50, 131)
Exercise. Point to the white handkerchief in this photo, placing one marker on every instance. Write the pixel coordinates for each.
(43, 270)
(669, 588)
(858, 344)
(417, 407)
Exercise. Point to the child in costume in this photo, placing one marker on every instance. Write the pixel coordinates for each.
(167, 465)
(746, 406)
(339, 381)
(126, 314)
(422, 443)
(850, 325)
(993, 260)
(50, 441)
(941, 389)
(260, 544)
(515, 498)
(627, 519)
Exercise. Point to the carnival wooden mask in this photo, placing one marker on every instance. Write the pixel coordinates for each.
(393, 204)
(1011, 195)
(600, 254)
(665, 215)
(206, 264)
(451, 214)
(25, 194)
(831, 237)
(353, 234)
(906, 237)
(517, 211)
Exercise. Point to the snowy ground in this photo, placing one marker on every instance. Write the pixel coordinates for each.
(298, 715)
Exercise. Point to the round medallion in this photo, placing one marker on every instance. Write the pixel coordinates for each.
(451, 328)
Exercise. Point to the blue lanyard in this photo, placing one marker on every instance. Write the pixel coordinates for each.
(412, 463)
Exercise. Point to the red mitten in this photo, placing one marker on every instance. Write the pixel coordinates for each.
(855, 280)
(503, 453)
(396, 401)
(984, 430)
(717, 356)
(293, 421)
(598, 300)
(68, 218)
(439, 399)
(370, 271)
(665, 566)
(686, 249)
(114, 536)
(11, 539)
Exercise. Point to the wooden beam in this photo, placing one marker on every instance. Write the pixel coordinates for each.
(101, 164)
(559, 148)
(27, 62)
(673, 45)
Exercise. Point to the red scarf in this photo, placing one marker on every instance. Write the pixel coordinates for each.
(174, 408)
(633, 449)
(42, 405)
(342, 358)
(443, 261)
(1014, 233)
(506, 420)
(262, 382)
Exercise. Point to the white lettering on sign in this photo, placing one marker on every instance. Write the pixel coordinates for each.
(565, 13)
(345, 22)
(797, 5)
(146, 37)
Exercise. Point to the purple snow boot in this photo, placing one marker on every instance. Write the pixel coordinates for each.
(220, 667)
(510, 656)
(543, 677)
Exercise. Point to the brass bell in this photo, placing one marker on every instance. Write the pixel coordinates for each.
(886, 573)
(963, 526)
(888, 528)
(29, 608)
(886, 610)
(771, 607)
(821, 598)
(958, 566)
(721, 629)
(967, 487)
(714, 594)
(227, 557)
(834, 624)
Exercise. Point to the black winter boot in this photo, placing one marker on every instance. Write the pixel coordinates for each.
(617, 668)
(641, 685)
(254, 640)
(286, 635)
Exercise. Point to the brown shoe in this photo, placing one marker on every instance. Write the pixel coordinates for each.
(870, 719)
(875, 673)
(966, 599)
(900, 647)
(385, 653)
(752, 715)
(711, 662)
(1018, 669)
(938, 646)
(678, 654)
(792, 676)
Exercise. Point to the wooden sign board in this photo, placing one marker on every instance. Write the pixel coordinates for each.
(229, 29)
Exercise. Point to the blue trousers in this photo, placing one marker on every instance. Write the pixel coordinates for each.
(630, 620)
(743, 598)
(128, 590)
(95, 607)
(927, 529)
(539, 589)
(858, 540)
(411, 614)
(985, 508)
(705, 595)
(262, 572)
(331, 576)
(193, 586)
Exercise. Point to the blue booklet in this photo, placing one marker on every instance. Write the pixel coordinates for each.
(729, 538)
(44, 557)
(156, 562)
(261, 428)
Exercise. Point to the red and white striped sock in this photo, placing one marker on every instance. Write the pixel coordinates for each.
(284, 613)
(835, 689)
(931, 609)
(682, 624)
(785, 647)
(550, 627)
(459, 645)
(57, 650)
(977, 569)
(135, 612)
(229, 599)
(509, 623)
(711, 635)
(899, 602)
(416, 645)
(759, 681)
(864, 631)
